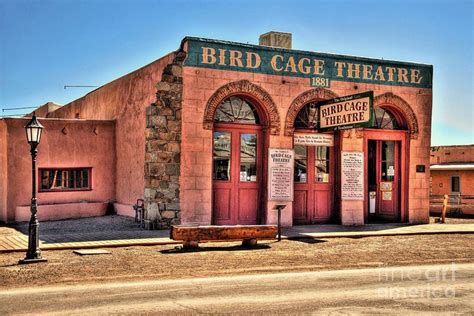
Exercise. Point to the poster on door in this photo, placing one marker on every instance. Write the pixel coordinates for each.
(313, 139)
(352, 175)
(280, 174)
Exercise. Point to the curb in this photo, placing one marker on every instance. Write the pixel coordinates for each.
(65, 246)
(461, 232)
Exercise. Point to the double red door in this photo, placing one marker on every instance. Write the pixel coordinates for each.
(237, 175)
(314, 179)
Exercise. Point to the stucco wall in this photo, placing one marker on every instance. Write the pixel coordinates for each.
(441, 181)
(124, 100)
(3, 170)
(196, 160)
(449, 154)
(68, 144)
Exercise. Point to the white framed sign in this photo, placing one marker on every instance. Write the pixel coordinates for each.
(280, 174)
(352, 175)
(313, 139)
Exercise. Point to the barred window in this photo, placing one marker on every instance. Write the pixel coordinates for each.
(69, 179)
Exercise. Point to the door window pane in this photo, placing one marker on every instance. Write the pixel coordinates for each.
(388, 161)
(455, 184)
(321, 161)
(221, 156)
(248, 157)
(300, 163)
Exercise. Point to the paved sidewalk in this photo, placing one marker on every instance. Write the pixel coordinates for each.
(116, 231)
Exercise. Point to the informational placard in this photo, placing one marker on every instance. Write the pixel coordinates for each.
(385, 186)
(313, 139)
(391, 171)
(387, 196)
(347, 112)
(352, 175)
(280, 174)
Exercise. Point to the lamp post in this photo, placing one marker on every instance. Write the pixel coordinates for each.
(33, 135)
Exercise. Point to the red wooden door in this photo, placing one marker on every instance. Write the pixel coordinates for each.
(314, 182)
(237, 174)
(384, 179)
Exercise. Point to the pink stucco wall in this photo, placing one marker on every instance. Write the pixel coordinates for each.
(3, 170)
(48, 212)
(124, 100)
(452, 154)
(199, 84)
(441, 179)
(441, 182)
(67, 144)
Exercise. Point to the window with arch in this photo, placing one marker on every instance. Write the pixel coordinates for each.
(315, 157)
(236, 110)
(308, 116)
(384, 119)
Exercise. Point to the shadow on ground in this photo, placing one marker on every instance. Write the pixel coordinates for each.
(180, 249)
(307, 240)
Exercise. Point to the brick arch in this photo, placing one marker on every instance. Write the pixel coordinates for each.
(250, 90)
(393, 102)
(300, 101)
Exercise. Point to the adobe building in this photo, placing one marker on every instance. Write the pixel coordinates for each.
(452, 173)
(221, 132)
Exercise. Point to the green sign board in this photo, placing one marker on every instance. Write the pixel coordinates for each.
(351, 111)
(321, 69)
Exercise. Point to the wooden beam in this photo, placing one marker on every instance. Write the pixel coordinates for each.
(210, 233)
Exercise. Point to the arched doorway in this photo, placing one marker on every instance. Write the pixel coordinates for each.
(314, 173)
(386, 147)
(238, 144)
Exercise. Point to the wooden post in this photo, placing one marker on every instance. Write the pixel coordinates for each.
(445, 206)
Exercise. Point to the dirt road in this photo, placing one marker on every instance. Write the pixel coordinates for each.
(394, 290)
(163, 262)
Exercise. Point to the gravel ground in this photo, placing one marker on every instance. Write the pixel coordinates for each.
(144, 263)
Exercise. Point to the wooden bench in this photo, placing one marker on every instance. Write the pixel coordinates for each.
(192, 235)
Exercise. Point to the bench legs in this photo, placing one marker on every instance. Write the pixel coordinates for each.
(193, 244)
(249, 242)
(190, 244)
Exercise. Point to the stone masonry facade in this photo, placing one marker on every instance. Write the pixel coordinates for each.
(163, 149)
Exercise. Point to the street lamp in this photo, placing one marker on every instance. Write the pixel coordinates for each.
(33, 135)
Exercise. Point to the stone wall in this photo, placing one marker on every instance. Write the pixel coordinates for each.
(163, 149)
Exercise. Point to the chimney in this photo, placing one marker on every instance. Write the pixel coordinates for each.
(275, 39)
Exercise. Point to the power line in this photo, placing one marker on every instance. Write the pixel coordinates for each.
(69, 86)
(24, 108)
(13, 115)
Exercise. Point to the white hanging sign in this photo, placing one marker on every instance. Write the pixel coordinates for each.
(280, 174)
(352, 175)
(313, 139)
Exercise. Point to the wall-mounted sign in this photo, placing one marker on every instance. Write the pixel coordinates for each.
(309, 139)
(347, 112)
(321, 69)
(387, 196)
(391, 171)
(280, 174)
(352, 175)
(385, 186)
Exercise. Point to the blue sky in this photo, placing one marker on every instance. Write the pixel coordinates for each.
(47, 44)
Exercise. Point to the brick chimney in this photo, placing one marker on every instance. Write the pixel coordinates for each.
(275, 39)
